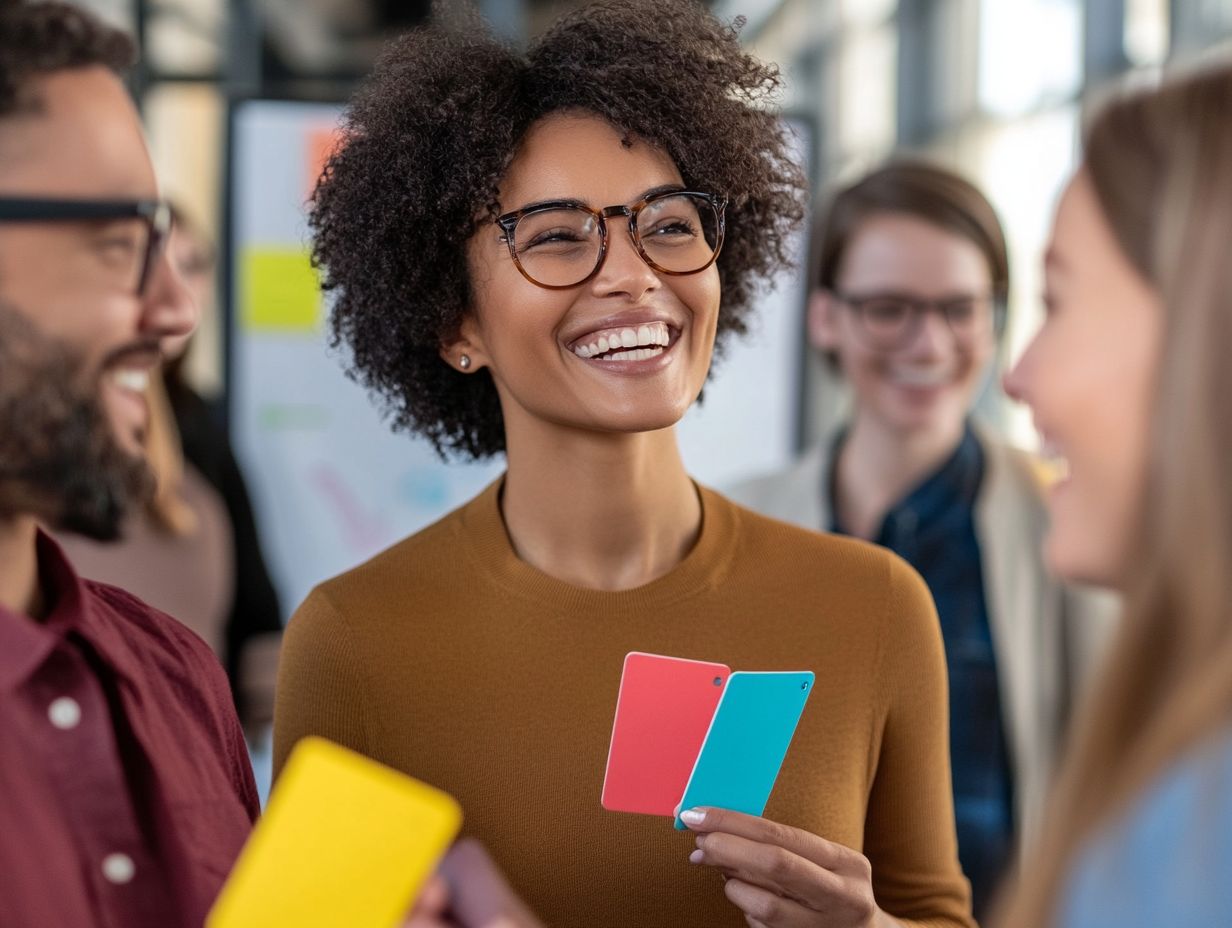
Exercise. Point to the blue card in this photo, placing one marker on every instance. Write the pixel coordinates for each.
(747, 741)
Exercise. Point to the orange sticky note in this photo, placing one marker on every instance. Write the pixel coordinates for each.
(321, 144)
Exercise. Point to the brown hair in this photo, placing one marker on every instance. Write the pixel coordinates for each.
(913, 188)
(38, 39)
(1161, 166)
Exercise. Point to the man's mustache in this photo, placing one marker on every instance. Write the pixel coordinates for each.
(146, 351)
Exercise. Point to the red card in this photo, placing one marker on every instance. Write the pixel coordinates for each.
(662, 714)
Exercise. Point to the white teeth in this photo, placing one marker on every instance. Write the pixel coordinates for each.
(130, 379)
(653, 335)
(921, 377)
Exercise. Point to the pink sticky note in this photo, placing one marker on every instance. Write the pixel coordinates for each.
(663, 711)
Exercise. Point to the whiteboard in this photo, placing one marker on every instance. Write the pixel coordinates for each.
(331, 484)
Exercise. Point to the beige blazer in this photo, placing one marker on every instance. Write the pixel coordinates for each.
(1048, 636)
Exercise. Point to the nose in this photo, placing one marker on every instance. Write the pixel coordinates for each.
(932, 337)
(1014, 383)
(167, 307)
(1019, 380)
(624, 272)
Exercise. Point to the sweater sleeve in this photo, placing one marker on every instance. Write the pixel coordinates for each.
(321, 685)
(909, 833)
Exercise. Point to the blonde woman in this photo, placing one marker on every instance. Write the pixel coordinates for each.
(1129, 381)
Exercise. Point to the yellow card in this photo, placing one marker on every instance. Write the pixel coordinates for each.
(344, 841)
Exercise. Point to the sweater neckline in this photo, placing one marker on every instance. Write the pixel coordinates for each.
(487, 540)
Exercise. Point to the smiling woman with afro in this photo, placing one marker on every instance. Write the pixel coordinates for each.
(537, 255)
(429, 136)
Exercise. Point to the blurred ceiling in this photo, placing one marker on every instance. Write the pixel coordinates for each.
(308, 45)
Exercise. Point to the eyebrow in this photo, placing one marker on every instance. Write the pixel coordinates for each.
(569, 201)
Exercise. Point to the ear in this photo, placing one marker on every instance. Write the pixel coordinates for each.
(468, 342)
(823, 320)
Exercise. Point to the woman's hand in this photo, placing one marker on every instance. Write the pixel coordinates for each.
(782, 877)
(430, 906)
(469, 891)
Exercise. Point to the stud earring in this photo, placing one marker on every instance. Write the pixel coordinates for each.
(464, 362)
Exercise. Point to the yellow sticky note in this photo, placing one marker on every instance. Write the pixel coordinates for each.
(344, 841)
(280, 289)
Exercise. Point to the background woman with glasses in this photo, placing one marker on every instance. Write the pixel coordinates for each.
(536, 255)
(909, 300)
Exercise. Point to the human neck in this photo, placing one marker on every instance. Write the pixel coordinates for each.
(877, 466)
(20, 590)
(604, 512)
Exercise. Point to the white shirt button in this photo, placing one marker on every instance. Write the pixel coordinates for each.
(118, 868)
(64, 713)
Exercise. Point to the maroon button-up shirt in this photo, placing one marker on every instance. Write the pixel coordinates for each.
(125, 788)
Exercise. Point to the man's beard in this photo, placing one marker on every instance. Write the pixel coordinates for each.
(59, 460)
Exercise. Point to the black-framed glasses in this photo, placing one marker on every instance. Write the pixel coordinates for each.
(891, 320)
(562, 243)
(133, 253)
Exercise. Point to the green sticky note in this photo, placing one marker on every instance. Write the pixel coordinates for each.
(280, 290)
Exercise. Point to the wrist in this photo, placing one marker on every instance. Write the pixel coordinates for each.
(882, 919)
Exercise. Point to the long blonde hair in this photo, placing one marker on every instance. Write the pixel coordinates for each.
(1161, 164)
(167, 507)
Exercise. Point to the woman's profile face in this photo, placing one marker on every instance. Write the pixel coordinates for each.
(1088, 377)
(563, 358)
(194, 260)
(920, 374)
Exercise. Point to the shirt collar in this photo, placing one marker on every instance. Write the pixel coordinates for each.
(954, 483)
(74, 609)
(25, 643)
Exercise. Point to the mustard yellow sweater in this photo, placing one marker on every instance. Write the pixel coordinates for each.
(451, 659)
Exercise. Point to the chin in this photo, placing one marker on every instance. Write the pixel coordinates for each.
(128, 436)
(639, 424)
(133, 445)
(642, 419)
(1075, 562)
(921, 420)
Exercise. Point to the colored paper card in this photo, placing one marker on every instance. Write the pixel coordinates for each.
(321, 144)
(344, 841)
(281, 290)
(663, 710)
(747, 741)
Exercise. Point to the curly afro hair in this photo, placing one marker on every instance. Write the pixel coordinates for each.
(427, 139)
(37, 39)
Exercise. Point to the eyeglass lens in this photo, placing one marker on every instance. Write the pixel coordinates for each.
(119, 252)
(562, 247)
(892, 321)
